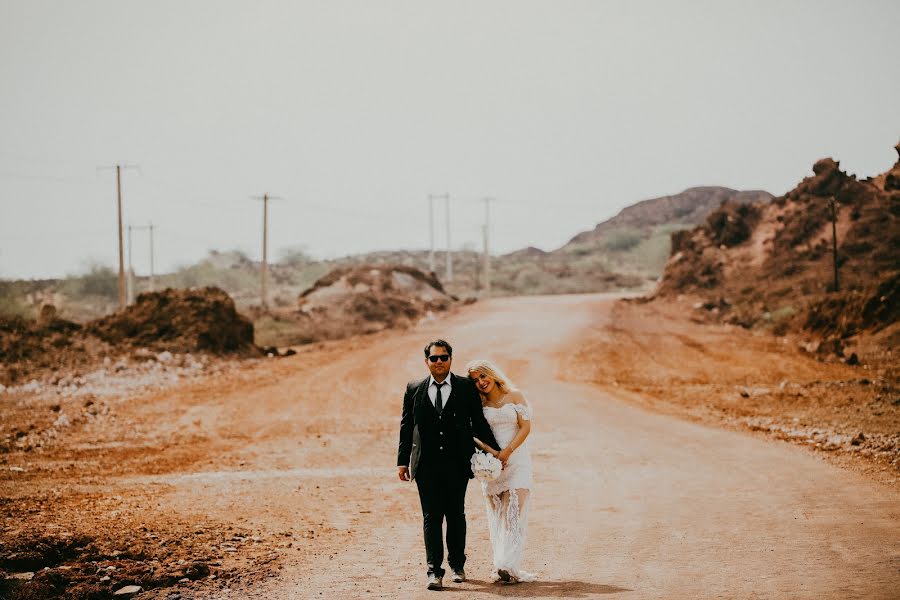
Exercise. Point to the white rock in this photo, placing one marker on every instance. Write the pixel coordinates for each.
(26, 576)
(62, 420)
(128, 589)
(164, 357)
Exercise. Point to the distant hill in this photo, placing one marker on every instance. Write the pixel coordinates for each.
(637, 240)
(625, 252)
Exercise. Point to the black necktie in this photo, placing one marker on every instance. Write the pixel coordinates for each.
(438, 401)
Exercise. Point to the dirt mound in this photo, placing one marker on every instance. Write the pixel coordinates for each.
(199, 320)
(28, 346)
(772, 263)
(192, 320)
(369, 298)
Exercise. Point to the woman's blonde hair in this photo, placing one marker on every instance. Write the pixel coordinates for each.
(486, 367)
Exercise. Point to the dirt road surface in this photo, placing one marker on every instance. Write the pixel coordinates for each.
(628, 503)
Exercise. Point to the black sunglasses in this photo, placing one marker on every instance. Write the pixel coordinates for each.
(439, 357)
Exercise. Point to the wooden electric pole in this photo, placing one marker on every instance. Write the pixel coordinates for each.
(123, 292)
(264, 274)
(487, 250)
(431, 199)
(449, 256)
(834, 255)
(150, 228)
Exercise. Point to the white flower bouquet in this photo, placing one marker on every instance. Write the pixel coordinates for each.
(485, 467)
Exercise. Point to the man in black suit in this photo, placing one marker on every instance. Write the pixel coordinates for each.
(441, 415)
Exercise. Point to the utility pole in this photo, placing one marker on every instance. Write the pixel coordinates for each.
(152, 282)
(834, 256)
(129, 295)
(150, 228)
(264, 274)
(123, 296)
(487, 251)
(431, 199)
(449, 256)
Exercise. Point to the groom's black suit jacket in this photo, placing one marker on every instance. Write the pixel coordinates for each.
(429, 441)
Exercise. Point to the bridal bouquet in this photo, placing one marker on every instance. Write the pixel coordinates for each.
(485, 467)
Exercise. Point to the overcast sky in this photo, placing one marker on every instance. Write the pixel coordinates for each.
(353, 112)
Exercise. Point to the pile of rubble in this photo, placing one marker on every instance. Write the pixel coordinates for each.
(369, 298)
(172, 321)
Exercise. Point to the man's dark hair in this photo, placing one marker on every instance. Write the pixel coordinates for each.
(440, 344)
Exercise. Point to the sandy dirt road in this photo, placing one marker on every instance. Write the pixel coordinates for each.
(628, 504)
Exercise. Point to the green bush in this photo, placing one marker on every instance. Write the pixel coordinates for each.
(622, 240)
(11, 304)
(100, 280)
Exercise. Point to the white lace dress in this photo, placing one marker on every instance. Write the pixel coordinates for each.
(508, 496)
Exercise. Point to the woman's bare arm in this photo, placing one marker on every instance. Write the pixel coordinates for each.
(524, 426)
(485, 447)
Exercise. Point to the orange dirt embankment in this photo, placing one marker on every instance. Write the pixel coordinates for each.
(655, 355)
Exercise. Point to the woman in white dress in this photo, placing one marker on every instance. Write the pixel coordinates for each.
(509, 496)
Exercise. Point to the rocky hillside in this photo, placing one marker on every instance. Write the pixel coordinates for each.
(772, 263)
(637, 240)
(689, 208)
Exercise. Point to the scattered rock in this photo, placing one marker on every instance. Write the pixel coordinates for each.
(128, 590)
(197, 570)
(858, 439)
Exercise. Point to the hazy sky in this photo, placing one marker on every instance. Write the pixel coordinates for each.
(354, 112)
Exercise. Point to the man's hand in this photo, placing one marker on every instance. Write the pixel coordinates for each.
(403, 473)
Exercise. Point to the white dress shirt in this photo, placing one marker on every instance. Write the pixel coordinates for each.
(445, 391)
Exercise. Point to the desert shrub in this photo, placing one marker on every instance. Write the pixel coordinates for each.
(732, 224)
(783, 313)
(681, 240)
(622, 240)
(100, 280)
(294, 256)
(205, 274)
(652, 253)
(805, 223)
(11, 304)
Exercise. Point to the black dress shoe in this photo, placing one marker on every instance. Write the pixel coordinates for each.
(459, 575)
(435, 582)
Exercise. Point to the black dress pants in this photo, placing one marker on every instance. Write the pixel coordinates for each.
(442, 492)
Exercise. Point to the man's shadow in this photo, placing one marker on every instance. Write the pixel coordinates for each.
(561, 589)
